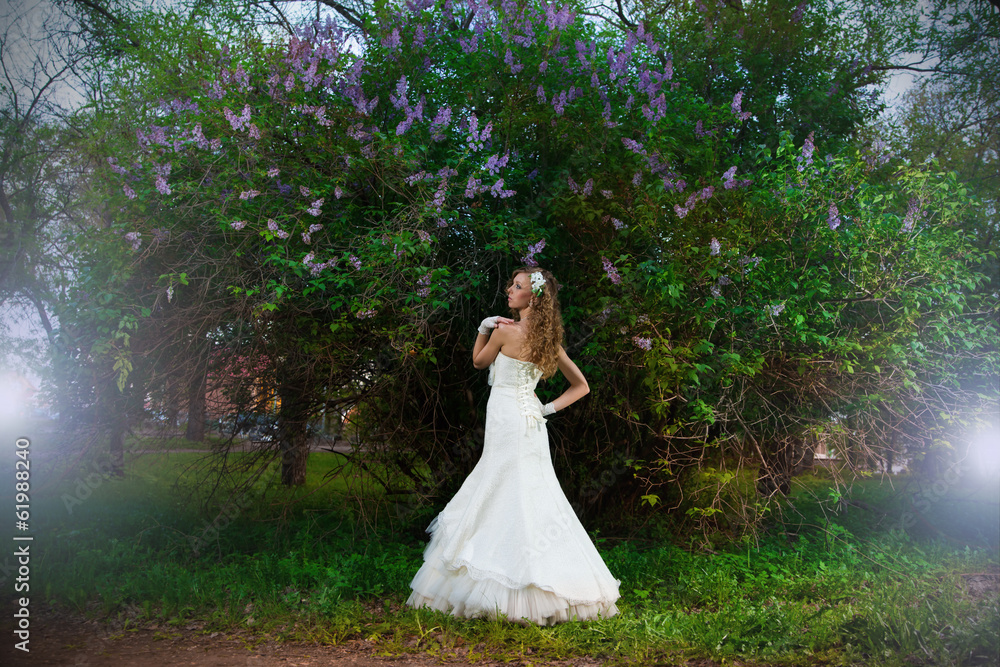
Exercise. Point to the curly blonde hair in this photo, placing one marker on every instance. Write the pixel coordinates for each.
(544, 333)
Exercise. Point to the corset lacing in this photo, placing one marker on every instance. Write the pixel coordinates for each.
(528, 375)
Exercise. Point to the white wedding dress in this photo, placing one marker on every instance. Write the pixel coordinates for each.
(509, 542)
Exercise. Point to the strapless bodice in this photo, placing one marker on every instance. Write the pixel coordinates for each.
(522, 377)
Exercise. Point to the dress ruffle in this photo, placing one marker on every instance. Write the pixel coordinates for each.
(459, 587)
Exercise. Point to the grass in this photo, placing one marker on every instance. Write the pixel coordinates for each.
(875, 574)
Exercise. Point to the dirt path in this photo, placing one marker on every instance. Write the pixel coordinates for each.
(62, 639)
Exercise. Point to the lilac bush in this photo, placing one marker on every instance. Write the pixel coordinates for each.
(377, 199)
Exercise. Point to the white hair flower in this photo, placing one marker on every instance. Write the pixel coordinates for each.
(537, 283)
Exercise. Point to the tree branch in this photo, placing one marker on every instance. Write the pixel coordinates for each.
(111, 18)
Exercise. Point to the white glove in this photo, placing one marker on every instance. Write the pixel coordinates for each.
(548, 409)
(487, 324)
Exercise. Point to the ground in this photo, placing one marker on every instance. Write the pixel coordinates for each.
(64, 639)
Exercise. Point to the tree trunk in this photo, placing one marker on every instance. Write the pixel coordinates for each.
(293, 422)
(116, 446)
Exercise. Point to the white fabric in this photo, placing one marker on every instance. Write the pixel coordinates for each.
(487, 324)
(509, 542)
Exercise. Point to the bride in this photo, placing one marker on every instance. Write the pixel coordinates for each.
(509, 544)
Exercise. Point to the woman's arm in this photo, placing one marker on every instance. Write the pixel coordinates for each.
(488, 345)
(578, 387)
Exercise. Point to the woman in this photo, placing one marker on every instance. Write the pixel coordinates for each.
(509, 543)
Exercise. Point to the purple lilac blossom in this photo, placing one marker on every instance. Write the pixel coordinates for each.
(238, 224)
(498, 191)
(611, 271)
(249, 194)
(439, 195)
(135, 238)
(559, 103)
(304, 191)
(633, 146)
(877, 155)
(529, 259)
(424, 285)
(715, 246)
(806, 159)
(644, 343)
(727, 177)
(237, 122)
(113, 162)
(912, 214)
(833, 216)
(682, 211)
(558, 20)
(392, 41)
(608, 194)
(737, 106)
(472, 187)
(440, 122)
(365, 314)
(618, 224)
(129, 192)
(399, 99)
(469, 44)
(273, 172)
(162, 186)
(159, 136)
(354, 261)
(199, 137)
(495, 163)
(775, 310)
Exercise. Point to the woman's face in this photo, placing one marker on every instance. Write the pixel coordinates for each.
(519, 293)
